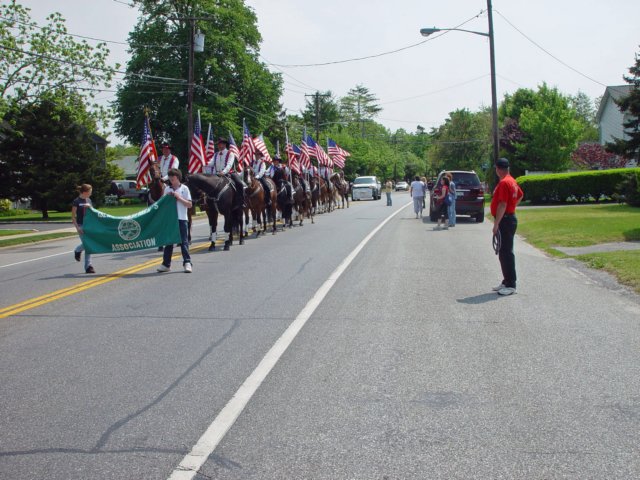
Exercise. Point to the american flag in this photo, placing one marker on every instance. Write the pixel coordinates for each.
(293, 152)
(305, 157)
(147, 155)
(196, 159)
(247, 149)
(233, 148)
(260, 146)
(337, 154)
(210, 150)
(316, 151)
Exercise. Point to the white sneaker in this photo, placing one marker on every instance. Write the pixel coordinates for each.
(163, 268)
(497, 288)
(506, 291)
(188, 268)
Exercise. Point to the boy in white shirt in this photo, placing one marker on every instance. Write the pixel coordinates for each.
(183, 202)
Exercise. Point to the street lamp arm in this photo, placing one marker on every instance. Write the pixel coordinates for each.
(428, 31)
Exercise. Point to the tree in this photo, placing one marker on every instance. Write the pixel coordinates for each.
(463, 142)
(593, 156)
(45, 152)
(359, 105)
(630, 106)
(545, 132)
(586, 115)
(37, 62)
(230, 82)
(328, 113)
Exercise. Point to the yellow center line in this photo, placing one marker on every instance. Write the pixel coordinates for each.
(65, 292)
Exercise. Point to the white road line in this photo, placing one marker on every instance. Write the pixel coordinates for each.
(208, 442)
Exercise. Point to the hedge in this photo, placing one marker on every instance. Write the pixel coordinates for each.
(580, 186)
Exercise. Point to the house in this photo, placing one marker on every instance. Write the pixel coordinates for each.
(609, 117)
(129, 164)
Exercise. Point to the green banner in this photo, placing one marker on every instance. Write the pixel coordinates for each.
(152, 227)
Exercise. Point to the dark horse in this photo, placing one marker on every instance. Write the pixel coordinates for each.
(302, 200)
(283, 200)
(342, 186)
(220, 198)
(257, 204)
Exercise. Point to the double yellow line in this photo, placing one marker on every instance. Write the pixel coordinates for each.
(65, 292)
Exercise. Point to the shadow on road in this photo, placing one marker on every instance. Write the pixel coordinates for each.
(478, 299)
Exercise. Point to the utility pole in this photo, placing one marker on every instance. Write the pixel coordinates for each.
(317, 96)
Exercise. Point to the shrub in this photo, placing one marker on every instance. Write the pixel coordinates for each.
(5, 205)
(629, 189)
(581, 186)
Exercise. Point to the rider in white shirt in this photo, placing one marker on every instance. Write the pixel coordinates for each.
(222, 164)
(167, 161)
(259, 171)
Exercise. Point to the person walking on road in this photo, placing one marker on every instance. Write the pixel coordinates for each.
(417, 193)
(388, 187)
(183, 202)
(452, 196)
(78, 209)
(506, 197)
(442, 208)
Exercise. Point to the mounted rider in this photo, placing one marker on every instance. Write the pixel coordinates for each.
(280, 173)
(259, 169)
(325, 172)
(167, 161)
(222, 164)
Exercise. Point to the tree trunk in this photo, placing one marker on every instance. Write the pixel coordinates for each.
(45, 210)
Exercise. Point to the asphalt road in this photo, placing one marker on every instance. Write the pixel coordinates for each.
(408, 367)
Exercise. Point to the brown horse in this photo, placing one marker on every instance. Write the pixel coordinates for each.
(342, 187)
(257, 203)
(302, 200)
(220, 198)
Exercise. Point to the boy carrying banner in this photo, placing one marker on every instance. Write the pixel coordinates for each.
(183, 202)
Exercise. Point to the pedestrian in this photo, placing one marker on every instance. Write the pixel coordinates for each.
(452, 197)
(167, 161)
(417, 192)
(78, 209)
(387, 189)
(506, 197)
(442, 210)
(183, 202)
(424, 195)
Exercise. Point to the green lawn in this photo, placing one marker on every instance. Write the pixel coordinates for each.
(579, 226)
(119, 211)
(6, 233)
(35, 238)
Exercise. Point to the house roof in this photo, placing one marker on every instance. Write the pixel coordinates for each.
(615, 93)
(129, 164)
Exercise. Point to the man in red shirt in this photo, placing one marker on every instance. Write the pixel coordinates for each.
(506, 197)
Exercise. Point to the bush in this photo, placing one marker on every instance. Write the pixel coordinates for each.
(580, 187)
(5, 206)
(629, 189)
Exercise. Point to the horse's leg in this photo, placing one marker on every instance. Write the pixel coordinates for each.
(241, 241)
(213, 227)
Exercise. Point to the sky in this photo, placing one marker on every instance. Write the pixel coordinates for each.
(574, 45)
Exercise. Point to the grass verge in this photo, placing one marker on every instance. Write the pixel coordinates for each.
(9, 242)
(6, 233)
(120, 211)
(625, 265)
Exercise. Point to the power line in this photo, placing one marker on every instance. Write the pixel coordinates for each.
(547, 52)
(436, 91)
(377, 54)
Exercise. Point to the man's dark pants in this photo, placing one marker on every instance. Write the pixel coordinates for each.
(507, 228)
(184, 245)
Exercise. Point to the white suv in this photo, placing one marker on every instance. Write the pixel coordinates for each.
(365, 188)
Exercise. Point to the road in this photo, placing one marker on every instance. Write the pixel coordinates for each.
(331, 351)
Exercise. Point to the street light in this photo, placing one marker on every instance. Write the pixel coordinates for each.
(425, 32)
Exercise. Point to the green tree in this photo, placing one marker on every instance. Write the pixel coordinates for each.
(463, 142)
(586, 114)
(45, 152)
(359, 106)
(541, 129)
(230, 81)
(630, 105)
(37, 62)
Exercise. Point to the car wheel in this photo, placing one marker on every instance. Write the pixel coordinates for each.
(480, 217)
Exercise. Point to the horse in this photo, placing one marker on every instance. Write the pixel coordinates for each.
(220, 198)
(257, 204)
(302, 200)
(342, 187)
(283, 200)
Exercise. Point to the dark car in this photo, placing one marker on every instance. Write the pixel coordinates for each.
(469, 195)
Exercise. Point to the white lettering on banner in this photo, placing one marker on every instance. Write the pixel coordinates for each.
(123, 247)
(129, 229)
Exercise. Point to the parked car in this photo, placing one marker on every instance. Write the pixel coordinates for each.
(469, 195)
(127, 189)
(402, 186)
(365, 188)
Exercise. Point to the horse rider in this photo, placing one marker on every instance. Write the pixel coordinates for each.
(259, 169)
(167, 162)
(278, 172)
(325, 172)
(222, 164)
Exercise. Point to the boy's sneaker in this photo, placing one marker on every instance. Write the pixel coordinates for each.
(188, 268)
(497, 288)
(163, 268)
(506, 291)
(77, 255)
(90, 269)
